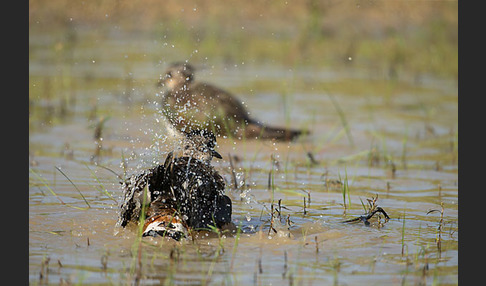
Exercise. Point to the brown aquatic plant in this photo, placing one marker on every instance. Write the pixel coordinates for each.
(393, 170)
(372, 209)
(233, 172)
(44, 272)
(104, 262)
(308, 197)
(438, 239)
(271, 221)
(312, 159)
(285, 265)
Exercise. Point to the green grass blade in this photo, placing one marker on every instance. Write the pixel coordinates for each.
(44, 182)
(342, 117)
(89, 206)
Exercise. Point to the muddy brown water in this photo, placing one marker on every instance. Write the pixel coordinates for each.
(401, 146)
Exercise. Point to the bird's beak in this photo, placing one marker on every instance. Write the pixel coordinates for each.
(217, 155)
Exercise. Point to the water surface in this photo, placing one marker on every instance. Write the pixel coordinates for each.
(395, 139)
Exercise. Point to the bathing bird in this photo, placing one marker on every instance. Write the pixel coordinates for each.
(184, 194)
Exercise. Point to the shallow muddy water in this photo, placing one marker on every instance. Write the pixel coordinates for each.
(392, 139)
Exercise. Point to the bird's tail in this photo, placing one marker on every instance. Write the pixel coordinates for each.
(257, 130)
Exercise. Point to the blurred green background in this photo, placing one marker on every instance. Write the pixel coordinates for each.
(392, 37)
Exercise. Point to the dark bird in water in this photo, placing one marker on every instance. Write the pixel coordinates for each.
(184, 194)
(188, 105)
